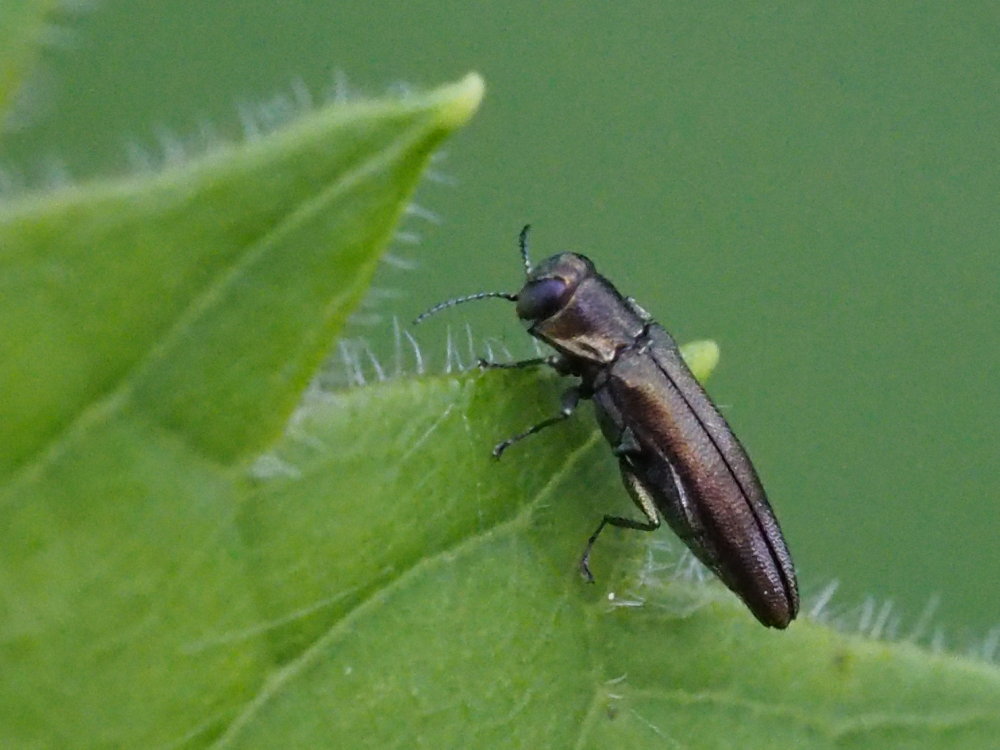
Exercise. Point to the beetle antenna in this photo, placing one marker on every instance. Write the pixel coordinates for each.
(522, 242)
(459, 300)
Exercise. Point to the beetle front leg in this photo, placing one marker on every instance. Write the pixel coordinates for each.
(556, 361)
(485, 364)
(570, 400)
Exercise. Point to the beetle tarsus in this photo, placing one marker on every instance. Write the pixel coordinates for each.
(585, 558)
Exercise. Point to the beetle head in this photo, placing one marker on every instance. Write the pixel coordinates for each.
(568, 305)
(574, 309)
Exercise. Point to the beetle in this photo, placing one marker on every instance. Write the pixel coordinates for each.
(678, 457)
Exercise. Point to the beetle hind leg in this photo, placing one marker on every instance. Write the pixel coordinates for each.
(643, 500)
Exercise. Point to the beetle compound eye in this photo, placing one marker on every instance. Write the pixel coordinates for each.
(540, 299)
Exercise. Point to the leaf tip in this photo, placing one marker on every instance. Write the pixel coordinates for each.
(460, 100)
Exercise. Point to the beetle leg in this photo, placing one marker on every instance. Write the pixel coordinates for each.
(570, 400)
(628, 444)
(645, 502)
(485, 364)
(556, 361)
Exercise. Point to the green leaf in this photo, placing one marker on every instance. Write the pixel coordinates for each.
(157, 333)
(209, 293)
(415, 591)
(374, 578)
(22, 25)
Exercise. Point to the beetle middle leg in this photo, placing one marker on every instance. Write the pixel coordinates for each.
(570, 400)
(642, 497)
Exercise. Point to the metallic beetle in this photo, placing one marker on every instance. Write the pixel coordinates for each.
(677, 455)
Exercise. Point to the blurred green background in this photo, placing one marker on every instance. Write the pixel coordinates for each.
(815, 185)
